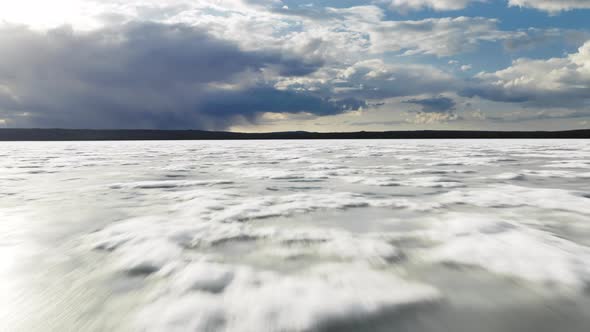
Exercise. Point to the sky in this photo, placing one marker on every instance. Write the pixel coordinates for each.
(286, 65)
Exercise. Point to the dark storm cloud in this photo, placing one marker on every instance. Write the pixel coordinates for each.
(141, 75)
(434, 105)
(494, 93)
(248, 103)
(572, 98)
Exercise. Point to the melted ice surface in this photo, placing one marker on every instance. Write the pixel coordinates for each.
(295, 235)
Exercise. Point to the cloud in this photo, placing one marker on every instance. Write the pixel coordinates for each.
(144, 75)
(366, 29)
(551, 6)
(433, 110)
(217, 63)
(435, 36)
(375, 79)
(378, 123)
(523, 116)
(423, 118)
(534, 38)
(438, 104)
(316, 33)
(556, 82)
(438, 5)
(270, 100)
(349, 34)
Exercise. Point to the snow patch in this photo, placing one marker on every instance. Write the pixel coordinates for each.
(266, 301)
(507, 248)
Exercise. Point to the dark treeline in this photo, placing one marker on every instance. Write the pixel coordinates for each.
(124, 135)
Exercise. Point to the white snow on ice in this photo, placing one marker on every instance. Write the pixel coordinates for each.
(299, 236)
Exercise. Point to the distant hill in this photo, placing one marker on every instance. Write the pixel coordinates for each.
(124, 135)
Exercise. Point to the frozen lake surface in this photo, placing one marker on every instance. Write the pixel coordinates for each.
(401, 235)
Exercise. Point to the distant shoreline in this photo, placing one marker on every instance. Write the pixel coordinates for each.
(151, 135)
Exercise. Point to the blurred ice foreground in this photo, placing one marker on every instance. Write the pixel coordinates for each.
(482, 235)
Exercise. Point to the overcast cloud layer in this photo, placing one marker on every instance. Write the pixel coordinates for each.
(259, 65)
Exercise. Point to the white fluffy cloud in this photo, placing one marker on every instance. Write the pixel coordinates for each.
(440, 5)
(553, 82)
(435, 36)
(552, 6)
(374, 79)
(330, 34)
(348, 34)
(432, 118)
